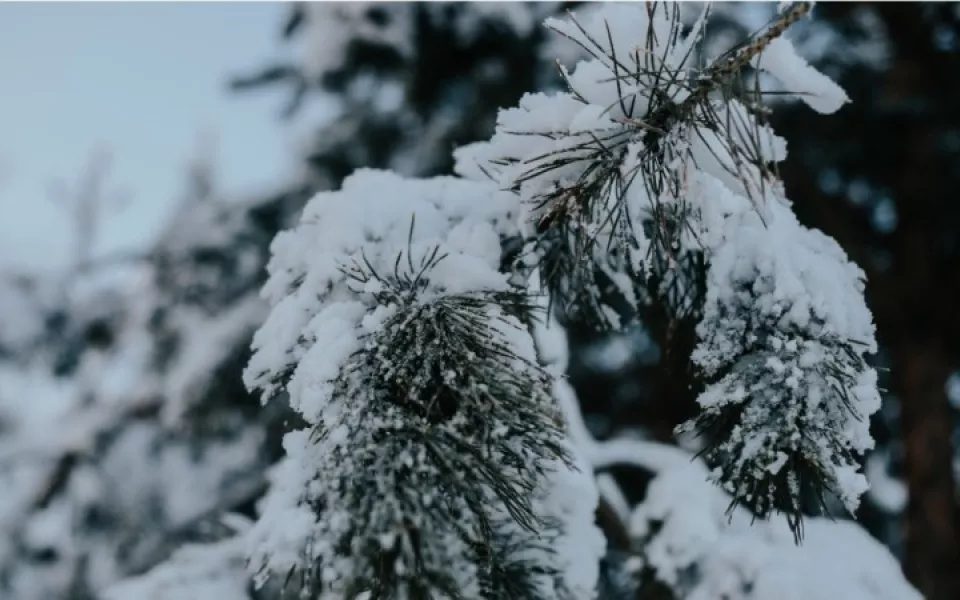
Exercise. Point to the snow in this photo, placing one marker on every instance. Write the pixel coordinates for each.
(372, 270)
(801, 277)
(195, 572)
(596, 121)
(336, 231)
(573, 498)
(278, 540)
(785, 296)
(818, 91)
(688, 530)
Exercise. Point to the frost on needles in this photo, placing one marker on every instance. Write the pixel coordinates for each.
(437, 463)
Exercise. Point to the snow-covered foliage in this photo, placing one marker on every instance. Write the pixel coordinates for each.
(689, 541)
(652, 168)
(401, 327)
(435, 459)
(784, 329)
(435, 448)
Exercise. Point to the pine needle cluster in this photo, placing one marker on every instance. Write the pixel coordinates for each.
(638, 182)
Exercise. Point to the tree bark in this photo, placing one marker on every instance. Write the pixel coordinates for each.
(933, 548)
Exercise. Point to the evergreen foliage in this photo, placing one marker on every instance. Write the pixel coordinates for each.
(651, 169)
(433, 430)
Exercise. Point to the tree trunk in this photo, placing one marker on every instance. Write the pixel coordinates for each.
(933, 548)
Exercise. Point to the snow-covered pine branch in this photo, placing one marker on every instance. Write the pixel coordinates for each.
(651, 181)
(435, 443)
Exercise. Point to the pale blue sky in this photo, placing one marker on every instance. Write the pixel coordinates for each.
(142, 79)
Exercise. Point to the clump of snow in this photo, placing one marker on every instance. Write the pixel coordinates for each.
(377, 216)
(570, 497)
(819, 92)
(284, 528)
(702, 551)
(786, 324)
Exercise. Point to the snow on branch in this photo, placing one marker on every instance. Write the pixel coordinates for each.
(782, 342)
(434, 440)
(406, 338)
(689, 542)
(651, 181)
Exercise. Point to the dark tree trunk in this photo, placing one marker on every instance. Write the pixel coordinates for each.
(932, 545)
